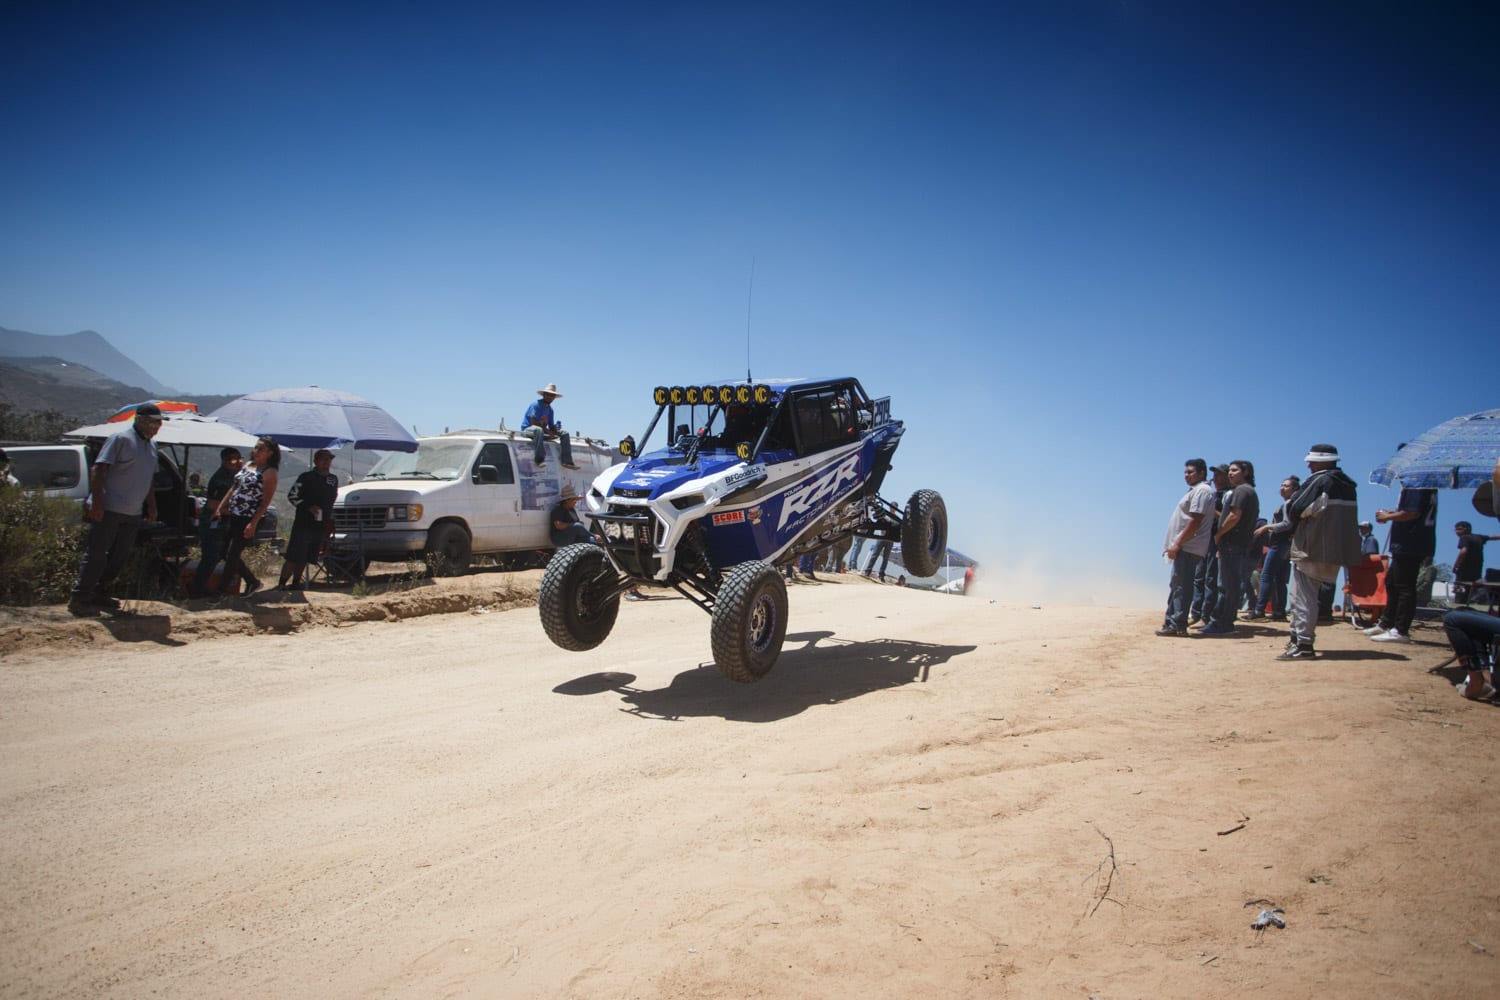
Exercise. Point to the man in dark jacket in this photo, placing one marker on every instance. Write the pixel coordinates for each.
(1323, 517)
(312, 495)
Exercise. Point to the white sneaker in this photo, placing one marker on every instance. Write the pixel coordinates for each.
(1392, 636)
(1373, 630)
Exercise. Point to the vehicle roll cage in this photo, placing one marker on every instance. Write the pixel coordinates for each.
(769, 414)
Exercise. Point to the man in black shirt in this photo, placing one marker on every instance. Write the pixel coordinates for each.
(566, 528)
(312, 495)
(211, 529)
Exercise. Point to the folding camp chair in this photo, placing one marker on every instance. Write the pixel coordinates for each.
(1364, 591)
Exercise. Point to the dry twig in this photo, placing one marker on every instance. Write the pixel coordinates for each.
(1109, 877)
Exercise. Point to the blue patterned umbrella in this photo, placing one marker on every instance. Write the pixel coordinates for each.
(311, 417)
(1459, 454)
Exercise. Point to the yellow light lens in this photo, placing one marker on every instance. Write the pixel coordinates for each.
(762, 394)
(676, 393)
(659, 395)
(691, 394)
(726, 395)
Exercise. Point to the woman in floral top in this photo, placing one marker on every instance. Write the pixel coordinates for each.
(245, 504)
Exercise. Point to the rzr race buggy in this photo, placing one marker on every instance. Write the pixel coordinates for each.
(754, 475)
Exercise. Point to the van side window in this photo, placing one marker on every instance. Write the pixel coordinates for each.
(46, 468)
(498, 455)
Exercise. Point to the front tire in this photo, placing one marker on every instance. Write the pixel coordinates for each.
(749, 622)
(448, 550)
(924, 533)
(577, 600)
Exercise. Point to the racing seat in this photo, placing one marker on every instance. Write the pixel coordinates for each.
(1364, 591)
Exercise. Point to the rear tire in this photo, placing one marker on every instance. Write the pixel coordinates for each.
(448, 550)
(577, 599)
(924, 533)
(749, 622)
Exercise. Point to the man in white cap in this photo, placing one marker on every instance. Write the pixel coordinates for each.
(1368, 544)
(539, 424)
(1324, 514)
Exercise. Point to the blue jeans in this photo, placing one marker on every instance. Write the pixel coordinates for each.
(1180, 590)
(1206, 586)
(211, 550)
(538, 448)
(1473, 636)
(859, 543)
(1274, 574)
(1233, 563)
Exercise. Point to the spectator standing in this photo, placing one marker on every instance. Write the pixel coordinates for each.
(120, 486)
(1325, 538)
(1233, 537)
(211, 528)
(244, 505)
(1368, 544)
(1468, 565)
(882, 552)
(6, 479)
(541, 425)
(1276, 569)
(312, 496)
(1186, 546)
(1413, 539)
(1206, 580)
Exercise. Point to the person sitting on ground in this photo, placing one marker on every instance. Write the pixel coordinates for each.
(566, 528)
(540, 425)
(1468, 566)
(312, 495)
(1474, 636)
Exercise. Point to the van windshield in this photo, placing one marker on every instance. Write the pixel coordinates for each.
(431, 460)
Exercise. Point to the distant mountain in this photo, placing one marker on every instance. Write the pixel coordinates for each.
(36, 385)
(85, 348)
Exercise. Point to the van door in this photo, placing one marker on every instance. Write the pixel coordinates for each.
(496, 516)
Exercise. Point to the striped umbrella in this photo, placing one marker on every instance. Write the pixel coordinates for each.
(125, 413)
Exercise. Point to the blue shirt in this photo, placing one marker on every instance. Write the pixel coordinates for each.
(131, 461)
(539, 415)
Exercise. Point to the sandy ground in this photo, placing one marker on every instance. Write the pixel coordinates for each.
(930, 796)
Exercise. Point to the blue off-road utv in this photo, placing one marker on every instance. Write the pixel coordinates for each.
(754, 475)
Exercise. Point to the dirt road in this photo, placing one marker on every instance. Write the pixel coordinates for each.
(929, 796)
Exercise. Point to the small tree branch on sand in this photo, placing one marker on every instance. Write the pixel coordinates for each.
(1108, 876)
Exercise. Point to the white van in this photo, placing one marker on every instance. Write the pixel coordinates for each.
(459, 495)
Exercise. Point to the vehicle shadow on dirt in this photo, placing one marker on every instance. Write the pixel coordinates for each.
(815, 668)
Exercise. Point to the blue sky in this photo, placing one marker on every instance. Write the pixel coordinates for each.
(1076, 242)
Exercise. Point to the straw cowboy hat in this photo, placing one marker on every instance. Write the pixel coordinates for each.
(568, 493)
(550, 390)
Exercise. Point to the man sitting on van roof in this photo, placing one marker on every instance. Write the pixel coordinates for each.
(539, 425)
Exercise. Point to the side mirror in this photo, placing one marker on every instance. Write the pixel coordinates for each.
(489, 474)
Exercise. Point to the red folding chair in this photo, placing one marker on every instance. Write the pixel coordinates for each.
(1364, 591)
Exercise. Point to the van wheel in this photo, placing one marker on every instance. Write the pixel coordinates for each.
(749, 621)
(448, 550)
(577, 599)
(924, 533)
